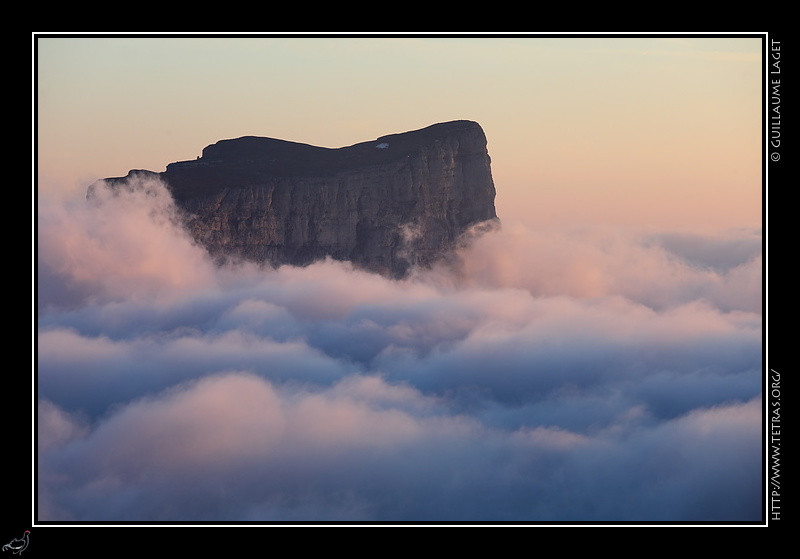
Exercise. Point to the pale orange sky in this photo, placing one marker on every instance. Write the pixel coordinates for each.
(658, 132)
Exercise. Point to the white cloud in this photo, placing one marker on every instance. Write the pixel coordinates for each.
(582, 375)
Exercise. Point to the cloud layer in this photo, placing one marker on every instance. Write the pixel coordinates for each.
(594, 375)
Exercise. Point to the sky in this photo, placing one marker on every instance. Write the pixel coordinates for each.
(655, 132)
(596, 358)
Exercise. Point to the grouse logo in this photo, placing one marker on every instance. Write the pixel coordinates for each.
(17, 545)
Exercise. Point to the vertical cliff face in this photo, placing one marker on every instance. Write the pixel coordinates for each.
(385, 205)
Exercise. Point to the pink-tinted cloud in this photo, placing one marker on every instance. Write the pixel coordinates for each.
(525, 381)
(655, 270)
(122, 246)
(236, 444)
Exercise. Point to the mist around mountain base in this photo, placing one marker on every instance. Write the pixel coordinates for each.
(592, 374)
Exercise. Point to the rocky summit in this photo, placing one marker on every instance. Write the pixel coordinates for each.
(385, 205)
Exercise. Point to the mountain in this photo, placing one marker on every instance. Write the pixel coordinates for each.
(385, 205)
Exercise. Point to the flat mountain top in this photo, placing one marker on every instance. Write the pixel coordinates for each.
(286, 158)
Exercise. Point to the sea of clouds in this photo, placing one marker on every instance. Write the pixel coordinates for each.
(579, 375)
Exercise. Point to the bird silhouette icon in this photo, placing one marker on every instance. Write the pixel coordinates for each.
(17, 545)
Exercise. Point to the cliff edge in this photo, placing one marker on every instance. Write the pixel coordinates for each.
(385, 205)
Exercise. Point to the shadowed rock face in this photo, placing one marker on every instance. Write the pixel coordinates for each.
(384, 205)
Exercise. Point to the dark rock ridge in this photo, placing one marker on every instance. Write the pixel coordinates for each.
(384, 205)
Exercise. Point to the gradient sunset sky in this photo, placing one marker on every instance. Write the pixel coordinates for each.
(657, 132)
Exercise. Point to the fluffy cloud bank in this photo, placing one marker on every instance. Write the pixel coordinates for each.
(543, 376)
